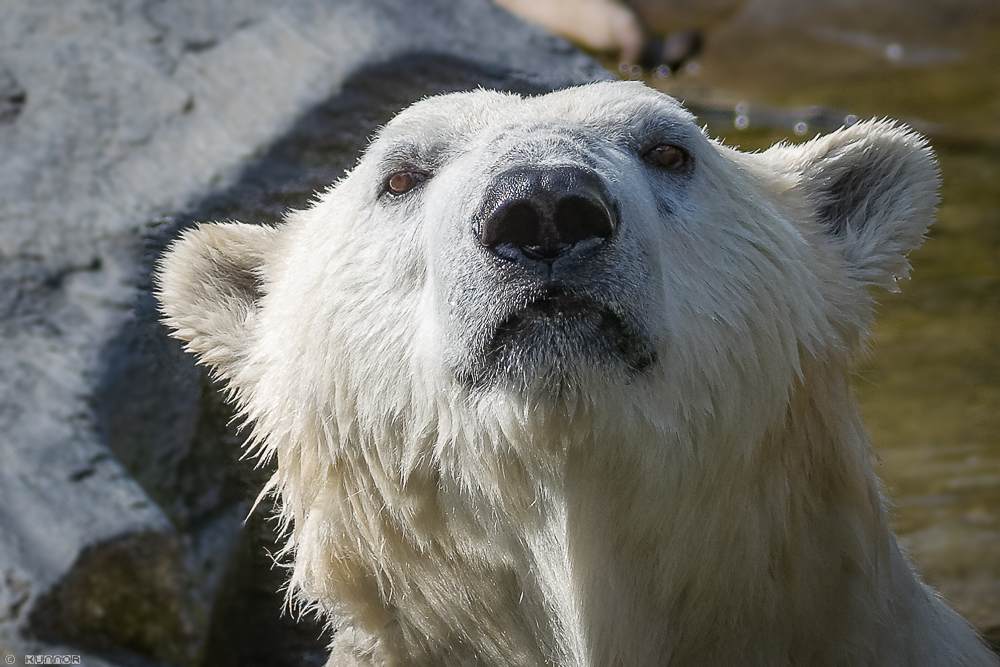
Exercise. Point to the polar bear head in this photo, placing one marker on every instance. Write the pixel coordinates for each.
(574, 247)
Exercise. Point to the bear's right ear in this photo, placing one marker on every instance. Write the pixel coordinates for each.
(872, 187)
(208, 284)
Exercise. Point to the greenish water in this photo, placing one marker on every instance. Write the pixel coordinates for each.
(930, 386)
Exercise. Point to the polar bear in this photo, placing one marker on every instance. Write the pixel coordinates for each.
(559, 380)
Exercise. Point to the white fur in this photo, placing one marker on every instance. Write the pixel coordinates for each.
(718, 509)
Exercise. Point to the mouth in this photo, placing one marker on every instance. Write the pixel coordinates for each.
(557, 335)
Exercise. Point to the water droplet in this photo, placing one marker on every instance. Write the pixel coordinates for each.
(742, 108)
(894, 52)
(692, 68)
(801, 128)
(850, 119)
(741, 122)
(663, 71)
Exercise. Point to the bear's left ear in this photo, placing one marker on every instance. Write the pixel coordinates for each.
(873, 187)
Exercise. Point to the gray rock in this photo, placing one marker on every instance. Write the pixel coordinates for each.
(121, 493)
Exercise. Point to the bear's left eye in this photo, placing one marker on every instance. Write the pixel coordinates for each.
(669, 156)
(404, 180)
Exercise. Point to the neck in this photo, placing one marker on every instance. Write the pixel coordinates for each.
(610, 548)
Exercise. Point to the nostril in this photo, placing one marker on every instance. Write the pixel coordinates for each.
(515, 224)
(580, 218)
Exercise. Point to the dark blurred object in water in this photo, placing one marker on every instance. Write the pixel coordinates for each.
(672, 51)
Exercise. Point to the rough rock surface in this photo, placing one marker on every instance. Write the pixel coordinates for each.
(121, 494)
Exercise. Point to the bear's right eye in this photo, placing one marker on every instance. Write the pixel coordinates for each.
(669, 156)
(404, 180)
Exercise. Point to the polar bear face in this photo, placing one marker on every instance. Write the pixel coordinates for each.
(583, 243)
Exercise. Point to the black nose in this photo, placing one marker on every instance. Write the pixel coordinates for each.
(543, 214)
